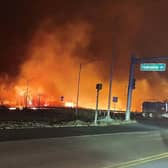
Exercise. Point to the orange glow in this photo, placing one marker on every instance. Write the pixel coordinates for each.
(69, 104)
(51, 71)
(12, 108)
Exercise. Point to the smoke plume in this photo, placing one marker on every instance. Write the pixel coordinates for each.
(43, 44)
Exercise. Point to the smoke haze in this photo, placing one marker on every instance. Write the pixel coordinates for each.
(43, 43)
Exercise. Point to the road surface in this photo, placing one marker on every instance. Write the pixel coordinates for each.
(140, 149)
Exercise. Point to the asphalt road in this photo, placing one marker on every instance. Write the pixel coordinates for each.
(116, 150)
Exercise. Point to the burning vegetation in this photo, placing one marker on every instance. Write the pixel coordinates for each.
(49, 76)
(50, 67)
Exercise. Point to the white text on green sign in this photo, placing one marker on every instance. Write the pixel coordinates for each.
(153, 67)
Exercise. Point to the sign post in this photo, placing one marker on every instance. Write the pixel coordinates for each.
(115, 100)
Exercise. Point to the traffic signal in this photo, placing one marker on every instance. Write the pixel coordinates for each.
(62, 98)
(133, 83)
(99, 86)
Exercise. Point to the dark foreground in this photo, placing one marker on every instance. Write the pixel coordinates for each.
(34, 133)
(141, 145)
(132, 149)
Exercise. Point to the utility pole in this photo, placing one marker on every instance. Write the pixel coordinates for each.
(78, 89)
(26, 95)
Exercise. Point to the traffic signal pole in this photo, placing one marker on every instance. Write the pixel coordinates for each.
(130, 84)
(98, 88)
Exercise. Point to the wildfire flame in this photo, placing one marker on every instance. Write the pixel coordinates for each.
(51, 71)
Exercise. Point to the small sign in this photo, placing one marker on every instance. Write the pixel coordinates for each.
(153, 67)
(115, 99)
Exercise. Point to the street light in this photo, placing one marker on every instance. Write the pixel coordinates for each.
(108, 117)
(78, 84)
(110, 92)
(116, 26)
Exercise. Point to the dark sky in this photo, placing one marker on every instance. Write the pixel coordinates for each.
(139, 26)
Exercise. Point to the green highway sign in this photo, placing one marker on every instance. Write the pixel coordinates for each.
(153, 67)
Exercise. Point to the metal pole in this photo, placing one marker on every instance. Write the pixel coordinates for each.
(114, 107)
(166, 103)
(110, 87)
(39, 100)
(26, 98)
(97, 103)
(134, 61)
(116, 24)
(110, 93)
(129, 93)
(78, 89)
